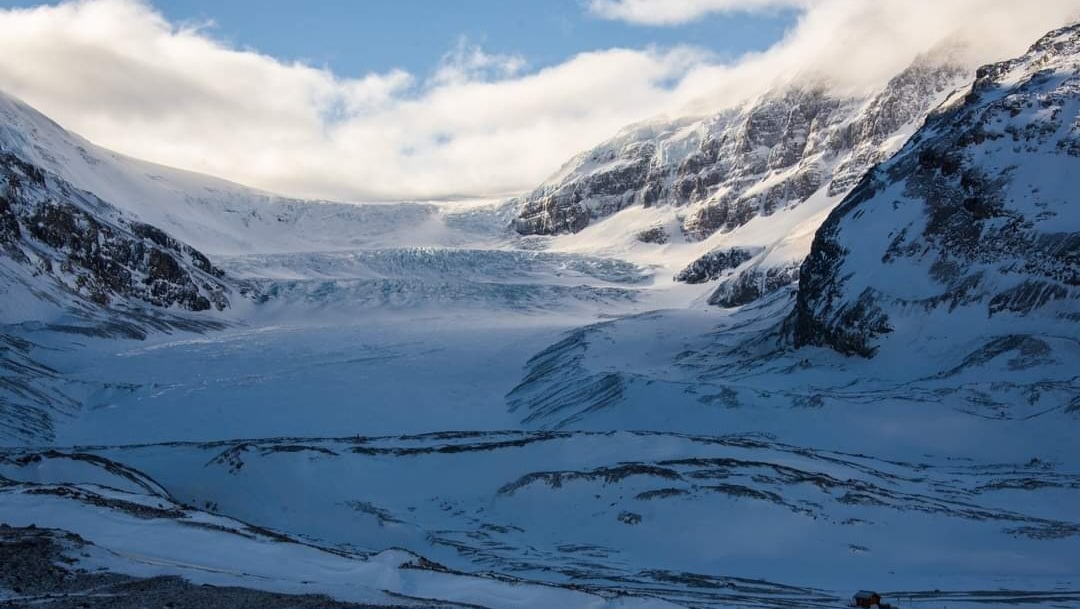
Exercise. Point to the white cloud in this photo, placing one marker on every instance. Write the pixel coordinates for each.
(468, 62)
(117, 72)
(674, 12)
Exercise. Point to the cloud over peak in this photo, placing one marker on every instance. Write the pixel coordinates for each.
(119, 73)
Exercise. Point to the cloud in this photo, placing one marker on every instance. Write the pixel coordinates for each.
(119, 73)
(468, 62)
(675, 12)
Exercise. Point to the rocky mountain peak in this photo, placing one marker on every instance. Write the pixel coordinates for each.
(773, 152)
(976, 213)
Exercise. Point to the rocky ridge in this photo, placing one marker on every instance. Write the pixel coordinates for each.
(90, 249)
(976, 213)
(767, 158)
(737, 164)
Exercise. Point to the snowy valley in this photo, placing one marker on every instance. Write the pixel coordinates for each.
(761, 358)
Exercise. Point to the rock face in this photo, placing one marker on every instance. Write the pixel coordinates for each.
(978, 217)
(799, 147)
(715, 264)
(752, 284)
(655, 235)
(72, 238)
(729, 168)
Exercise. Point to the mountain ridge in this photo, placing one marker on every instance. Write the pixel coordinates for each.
(996, 232)
(796, 146)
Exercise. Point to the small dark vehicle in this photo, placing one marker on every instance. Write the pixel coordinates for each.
(865, 599)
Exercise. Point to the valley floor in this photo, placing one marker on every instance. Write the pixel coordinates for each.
(523, 427)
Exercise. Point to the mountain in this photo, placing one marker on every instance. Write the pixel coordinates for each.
(413, 405)
(215, 216)
(801, 145)
(952, 268)
(935, 315)
(773, 152)
(971, 231)
(83, 227)
(56, 236)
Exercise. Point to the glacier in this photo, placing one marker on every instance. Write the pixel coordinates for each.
(432, 404)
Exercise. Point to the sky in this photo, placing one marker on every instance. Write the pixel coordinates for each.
(423, 100)
(356, 37)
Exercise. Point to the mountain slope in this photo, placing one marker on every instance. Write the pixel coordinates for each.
(75, 264)
(972, 231)
(952, 268)
(210, 214)
(55, 236)
(800, 146)
(112, 537)
(776, 151)
(676, 518)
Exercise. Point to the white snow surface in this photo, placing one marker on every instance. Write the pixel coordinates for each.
(552, 419)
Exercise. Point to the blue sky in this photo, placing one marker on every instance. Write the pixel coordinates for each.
(354, 37)
(398, 108)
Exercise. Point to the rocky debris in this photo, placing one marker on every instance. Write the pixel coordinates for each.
(663, 493)
(382, 515)
(607, 475)
(138, 510)
(41, 569)
(772, 153)
(754, 283)
(656, 235)
(963, 206)
(92, 250)
(715, 264)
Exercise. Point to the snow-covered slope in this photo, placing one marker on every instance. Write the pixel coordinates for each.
(108, 520)
(212, 215)
(63, 246)
(691, 520)
(971, 233)
(954, 264)
(773, 152)
(800, 145)
(411, 404)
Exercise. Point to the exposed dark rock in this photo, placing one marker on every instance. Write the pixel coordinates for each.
(39, 566)
(91, 249)
(752, 284)
(663, 493)
(800, 137)
(953, 210)
(607, 475)
(714, 264)
(656, 235)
